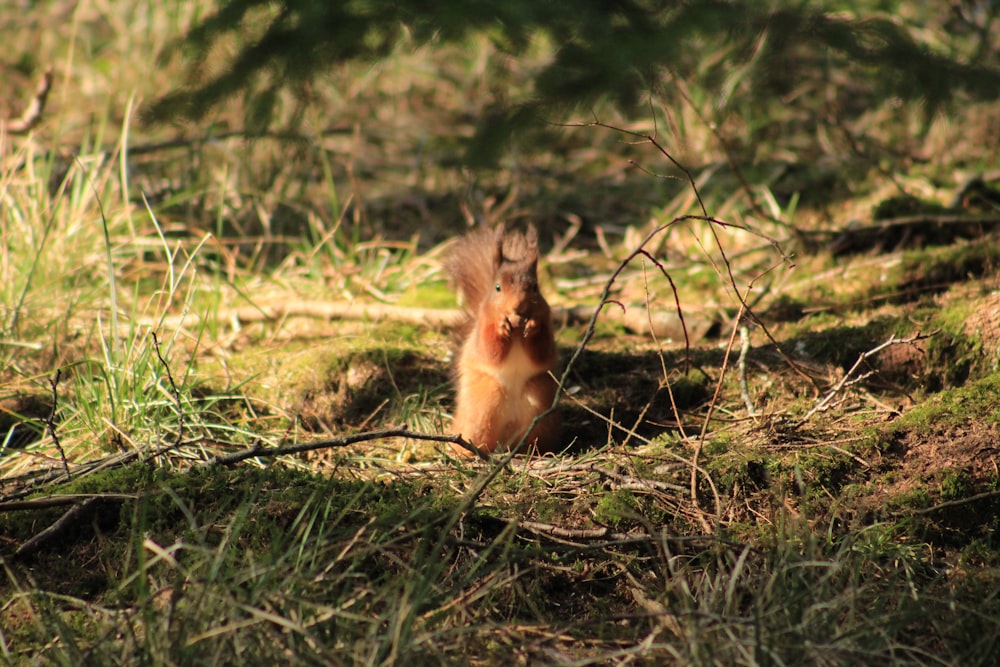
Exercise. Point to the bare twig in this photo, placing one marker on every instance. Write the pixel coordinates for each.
(727, 149)
(258, 450)
(61, 501)
(711, 410)
(29, 483)
(174, 391)
(61, 524)
(322, 310)
(651, 139)
(609, 284)
(50, 423)
(986, 495)
(850, 378)
(744, 389)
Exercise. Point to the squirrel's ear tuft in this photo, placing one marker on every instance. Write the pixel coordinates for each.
(499, 233)
(531, 235)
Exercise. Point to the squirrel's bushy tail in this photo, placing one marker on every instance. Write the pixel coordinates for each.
(475, 260)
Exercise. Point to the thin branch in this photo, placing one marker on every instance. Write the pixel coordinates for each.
(850, 379)
(986, 495)
(50, 423)
(61, 501)
(321, 310)
(730, 158)
(258, 451)
(744, 389)
(366, 312)
(175, 392)
(645, 136)
(711, 410)
(72, 515)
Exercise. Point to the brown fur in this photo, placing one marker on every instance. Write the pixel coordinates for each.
(507, 346)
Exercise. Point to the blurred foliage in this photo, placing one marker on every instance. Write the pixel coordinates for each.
(606, 51)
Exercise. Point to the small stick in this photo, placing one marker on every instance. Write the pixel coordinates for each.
(60, 501)
(259, 450)
(744, 389)
(849, 378)
(50, 423)
(173, 390)
(63, 522)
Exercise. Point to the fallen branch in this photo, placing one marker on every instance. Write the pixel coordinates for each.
(637, 322)
(331, 443)
(320, 310)
(608, 537)
(910, 231)
(850, 379)
(61, 501)
(986, 495)
(30, 482)
(554, 531)
(61, 524)
(50, 423)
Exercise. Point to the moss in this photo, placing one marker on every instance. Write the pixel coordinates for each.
(690, 389)
(741, 468)
(976, 400)
(932, 269)
(917, 498)
(905, 205)
(843, 345)
(979, 553)
(193, 501)
(823, 473)
(956, 352)
(616, 508)
(954, 484)
(428, 294)
(340, 383)
(717, 445)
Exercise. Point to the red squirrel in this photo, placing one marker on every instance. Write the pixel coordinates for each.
(507, 348)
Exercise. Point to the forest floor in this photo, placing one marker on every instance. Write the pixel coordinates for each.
(780, 365)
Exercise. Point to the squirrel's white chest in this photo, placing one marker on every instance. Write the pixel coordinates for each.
(513, 373)
(500, 397)
(517, 368)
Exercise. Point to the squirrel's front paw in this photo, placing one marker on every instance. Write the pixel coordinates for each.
(530, 327)
(504, 328)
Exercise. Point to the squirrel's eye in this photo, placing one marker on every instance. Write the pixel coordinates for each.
(498, 287)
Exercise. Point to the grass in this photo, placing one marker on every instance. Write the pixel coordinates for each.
(138, 263)
(328, 568)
